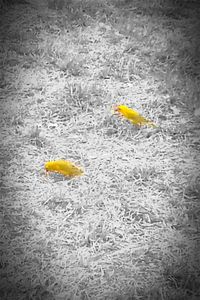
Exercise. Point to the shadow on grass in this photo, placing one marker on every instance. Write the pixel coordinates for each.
(177, 64)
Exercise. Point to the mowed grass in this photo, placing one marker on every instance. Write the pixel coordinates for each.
(129, 228)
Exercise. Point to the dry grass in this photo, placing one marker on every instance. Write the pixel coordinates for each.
(129, 228)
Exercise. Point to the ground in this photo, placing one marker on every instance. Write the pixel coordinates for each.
(129, 227)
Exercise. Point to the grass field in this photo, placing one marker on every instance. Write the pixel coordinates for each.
(130, 227)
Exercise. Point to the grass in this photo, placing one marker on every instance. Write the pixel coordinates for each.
(129, 228)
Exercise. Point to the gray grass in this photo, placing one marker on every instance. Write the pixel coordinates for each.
(128, 228)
